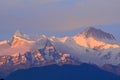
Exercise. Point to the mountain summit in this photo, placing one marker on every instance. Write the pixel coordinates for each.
(18, 33)
(97, 33)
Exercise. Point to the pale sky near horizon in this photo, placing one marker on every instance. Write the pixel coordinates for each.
(58, 17)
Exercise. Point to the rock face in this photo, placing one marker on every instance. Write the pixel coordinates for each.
(92, 46)
(41, 57)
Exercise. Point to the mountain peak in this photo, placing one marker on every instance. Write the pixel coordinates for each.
(97, 33)
(17, 33)
(90, 28)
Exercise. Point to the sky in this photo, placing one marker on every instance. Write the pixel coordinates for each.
(58, 17)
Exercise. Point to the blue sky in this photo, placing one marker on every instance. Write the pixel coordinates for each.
(58, 17)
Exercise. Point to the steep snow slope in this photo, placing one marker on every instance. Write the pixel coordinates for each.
(95, 38)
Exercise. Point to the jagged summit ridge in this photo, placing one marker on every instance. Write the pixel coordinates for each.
(97, 33)
(18, 33)
(29, 37)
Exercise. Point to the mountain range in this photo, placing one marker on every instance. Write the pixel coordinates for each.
(92, 46)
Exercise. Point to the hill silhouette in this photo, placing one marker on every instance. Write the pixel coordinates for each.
(65, 72)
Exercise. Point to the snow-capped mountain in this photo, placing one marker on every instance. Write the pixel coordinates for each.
(95, 38)
(92, 46)
(97, 34)
(38, 57)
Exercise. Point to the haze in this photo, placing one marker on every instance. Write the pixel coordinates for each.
(58, 17)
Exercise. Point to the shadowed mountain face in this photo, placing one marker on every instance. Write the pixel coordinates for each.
(97, 33)
(65, 72)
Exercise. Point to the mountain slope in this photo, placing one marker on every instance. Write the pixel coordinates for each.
(97, 33)
(41, 57)
(96, 38)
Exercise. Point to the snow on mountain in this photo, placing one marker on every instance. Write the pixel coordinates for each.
(63, 39)
(17, 44)
(41, 57)
(96, 38)
(17, 41)
(4, 42)
(26, 37)
(92, 46)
